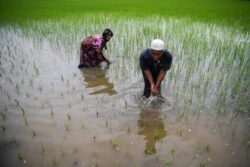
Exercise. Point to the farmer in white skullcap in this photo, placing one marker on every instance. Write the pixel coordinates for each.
(154, 63)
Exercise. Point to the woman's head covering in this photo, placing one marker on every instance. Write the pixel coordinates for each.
(107, 32)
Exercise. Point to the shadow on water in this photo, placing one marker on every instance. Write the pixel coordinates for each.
(97, 79)
(151, 126)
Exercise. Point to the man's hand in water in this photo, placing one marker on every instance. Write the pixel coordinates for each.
(154, 90)
(108, 62)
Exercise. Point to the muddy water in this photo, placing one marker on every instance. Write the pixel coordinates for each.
(53, 114)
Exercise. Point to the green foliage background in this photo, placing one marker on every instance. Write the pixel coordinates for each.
(230, 12)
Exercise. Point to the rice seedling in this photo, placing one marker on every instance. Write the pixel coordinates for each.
(69, 116)
(147, 151)
(17, 102)
(107, 123)
(168, 163)
(19, 156)
(128, 130)
(33, 133)
(115, 144)
(54, 162)
(42, 149)
(25, 121)
(67, 126)
(8, 97)
(197, 152)
(3, 127)
(82, 125)
(173, 152)
(51, 114)
(31, 83)
(3, 115)
(158, 135)
(208, 148)
(23, 112)
(94, 138)
(97, 114)
(179, 131)
(203, 164)
(82, 97)
(13, 140)
(36, 69)
(126, 104)
(94, 164)
(62, 78)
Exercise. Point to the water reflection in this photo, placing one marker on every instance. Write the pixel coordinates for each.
(96, 78)
(152, 128)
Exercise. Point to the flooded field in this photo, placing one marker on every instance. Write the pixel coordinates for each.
(53, 114)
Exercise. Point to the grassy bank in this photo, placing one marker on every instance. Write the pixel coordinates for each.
(231, 12)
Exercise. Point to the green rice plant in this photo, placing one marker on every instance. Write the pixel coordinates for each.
(40, 89)
(107, 123)
(115, 144)
(3, 115)
(208, 148)
(82, 97)
(13, 140)
(33, 133)
(158, 135)
(69, 116)
(31, 83)
(179, 131)
(62, 78)
(67, 126)
(23, 112)
(67, 83)
(197, 152)
(54, 162)
(42, 149)
(17, 102)
(8, 97)
(147, 151)
(25, 121)
(36, 69)
(3, 127)
(168, 163)
(19, 156)
(126, 104)
(128, 130)
(51, 114)
(173, 152)
(203, 164)
(17, 88)
(94, 164)
(82, 125)
(94, 138)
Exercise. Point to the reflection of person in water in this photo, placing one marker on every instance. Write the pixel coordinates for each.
(96, 78)
(152, 127)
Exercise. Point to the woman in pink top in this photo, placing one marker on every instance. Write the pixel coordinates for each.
(91, 49)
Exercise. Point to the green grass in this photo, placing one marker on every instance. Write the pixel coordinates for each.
(226, 11)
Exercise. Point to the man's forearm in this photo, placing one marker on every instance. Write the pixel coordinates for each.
(160, 78)
(148, 75)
